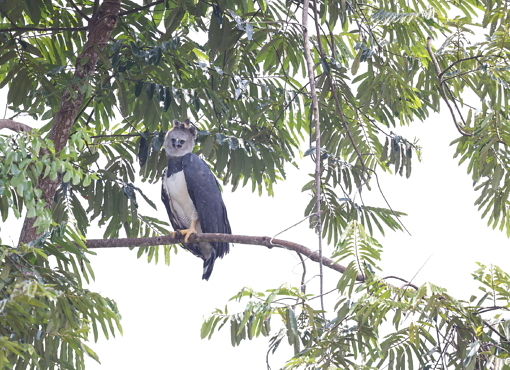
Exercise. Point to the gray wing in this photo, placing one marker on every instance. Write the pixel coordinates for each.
(206, 196)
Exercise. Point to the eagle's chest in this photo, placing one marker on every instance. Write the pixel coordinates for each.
(180, 201)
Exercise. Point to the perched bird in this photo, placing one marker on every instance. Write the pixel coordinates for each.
(192, 196)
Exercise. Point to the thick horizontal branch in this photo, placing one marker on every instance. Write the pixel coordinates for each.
(239, 239)
(14, 126)
(44, 29)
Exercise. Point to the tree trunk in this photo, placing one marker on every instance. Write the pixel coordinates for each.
(100, 27)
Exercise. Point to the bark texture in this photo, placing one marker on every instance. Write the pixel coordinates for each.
(14, 126)
(238, 239)
(101, 27)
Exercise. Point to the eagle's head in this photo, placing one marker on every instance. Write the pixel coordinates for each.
(180, 140)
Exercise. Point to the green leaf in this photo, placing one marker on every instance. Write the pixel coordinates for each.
(55, 71)
(469, 361)
(143, 151)
(196, 102)
(207, 146)
(206, 327)
(150, 87)
(67, 177)
(356, 63)
(33, 11)
(168, 99)
(138, 88)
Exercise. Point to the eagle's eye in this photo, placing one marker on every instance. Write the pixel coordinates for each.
(176, 143)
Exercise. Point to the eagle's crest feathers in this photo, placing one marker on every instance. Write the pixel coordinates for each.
(185, 125)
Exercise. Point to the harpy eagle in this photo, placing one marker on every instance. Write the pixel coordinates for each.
(192, 196)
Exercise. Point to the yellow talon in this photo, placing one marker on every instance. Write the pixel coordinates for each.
(188, 232)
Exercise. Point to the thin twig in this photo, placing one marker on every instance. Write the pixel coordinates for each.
(441, 357)
(316, 125)
(440, 76)
(136, 10)
(303, 285)
(388, 204)
(496, 331)
(290, 227)
(120, 135)
(459, 75)
(73, 4)
(441, 87)
(338, 106)
(492, 308)
(403, 280)
(416, 274)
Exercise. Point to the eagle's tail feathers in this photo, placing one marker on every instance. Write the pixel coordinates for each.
(209, 265)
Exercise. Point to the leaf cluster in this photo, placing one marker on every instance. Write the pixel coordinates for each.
(47, 317)
(377, 325)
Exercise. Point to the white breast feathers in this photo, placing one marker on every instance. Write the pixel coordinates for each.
(180, 202)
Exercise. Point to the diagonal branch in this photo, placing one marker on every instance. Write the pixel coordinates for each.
(265, 241)
(78, 10)
(441, 87)
(14, 126)
(136, 10)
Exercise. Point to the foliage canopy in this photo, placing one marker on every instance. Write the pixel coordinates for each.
(237, 68)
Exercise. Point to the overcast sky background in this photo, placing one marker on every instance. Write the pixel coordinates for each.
(163, 307)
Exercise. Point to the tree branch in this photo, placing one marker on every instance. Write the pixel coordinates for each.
(44, 29)
(265, 241)
(136, 10)
(120, 135)
(316, 125)
(78, 10)
(441, 75)
(441, 86)
(14, 126)
(72, 98)
(495, 331)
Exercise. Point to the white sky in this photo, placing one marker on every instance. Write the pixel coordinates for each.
(162, 307)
